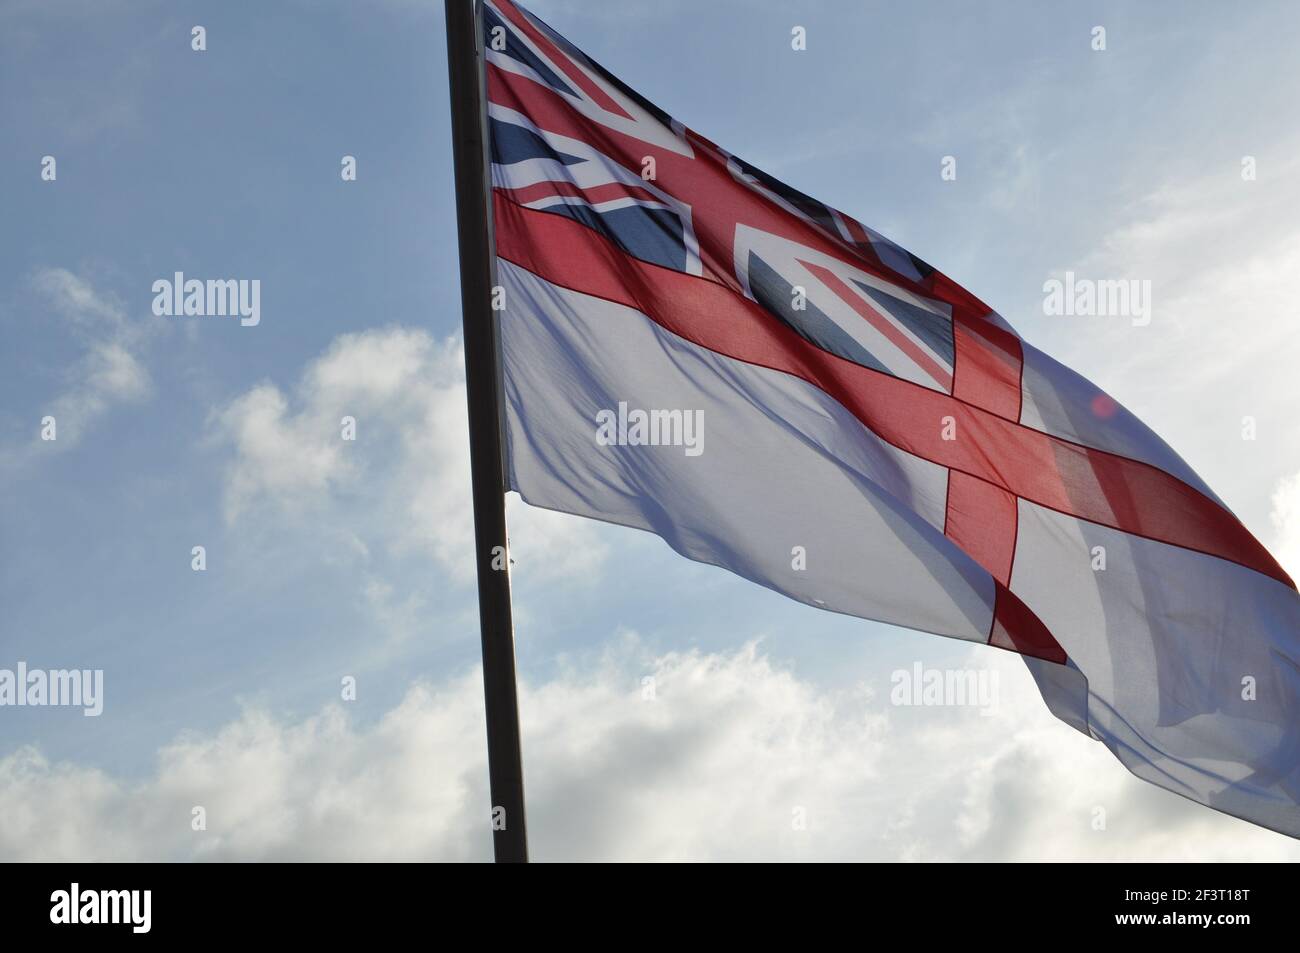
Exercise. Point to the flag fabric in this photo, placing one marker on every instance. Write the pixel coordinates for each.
(691, 347)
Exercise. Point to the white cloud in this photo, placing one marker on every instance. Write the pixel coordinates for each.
(109, 371)
(403, 485)
(288, 460)
(74, 298)
(1220, 254)
(712, 768)
(1286, 524)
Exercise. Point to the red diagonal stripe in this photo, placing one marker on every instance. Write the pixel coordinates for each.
(881, 323)
(558, 57)
(595, 195)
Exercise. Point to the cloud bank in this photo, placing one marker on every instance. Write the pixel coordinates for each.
(734, 757)
(403, 484)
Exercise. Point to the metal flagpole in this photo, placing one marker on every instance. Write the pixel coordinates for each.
(465, 71)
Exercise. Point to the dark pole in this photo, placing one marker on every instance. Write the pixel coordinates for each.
(465, 71)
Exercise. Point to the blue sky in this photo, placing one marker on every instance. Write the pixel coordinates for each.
(326, 561)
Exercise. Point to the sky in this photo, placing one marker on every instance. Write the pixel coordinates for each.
(670, 711)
